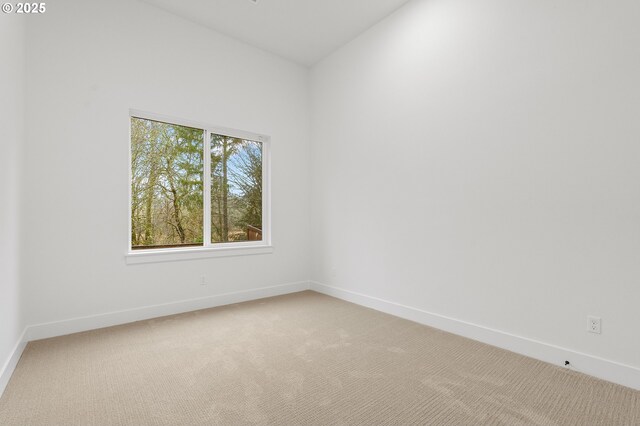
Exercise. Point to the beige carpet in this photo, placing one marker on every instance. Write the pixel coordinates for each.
(293, 360)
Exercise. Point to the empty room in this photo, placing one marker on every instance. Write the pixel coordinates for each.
(336, 212)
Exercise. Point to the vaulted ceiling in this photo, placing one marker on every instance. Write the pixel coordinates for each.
(303, 31)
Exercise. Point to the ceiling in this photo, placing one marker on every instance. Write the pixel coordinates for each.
(303, 31)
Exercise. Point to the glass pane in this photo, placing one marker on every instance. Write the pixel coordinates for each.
(166, 185)
(236, 189)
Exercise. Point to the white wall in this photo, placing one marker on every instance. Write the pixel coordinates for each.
(480, 160)
(11, 127)
(88, 63)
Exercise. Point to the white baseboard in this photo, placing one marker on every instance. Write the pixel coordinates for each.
(601, 368)
(76, 325)
(10, 365)
(605, 369)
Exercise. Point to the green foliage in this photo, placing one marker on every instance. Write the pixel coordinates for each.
(247, 177)
(167, 185)
(236, 187)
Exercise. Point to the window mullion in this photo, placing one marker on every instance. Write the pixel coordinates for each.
(207, 190)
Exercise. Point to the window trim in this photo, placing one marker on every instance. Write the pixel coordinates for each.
(208, 249)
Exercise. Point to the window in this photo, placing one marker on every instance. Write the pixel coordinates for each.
(196, 188)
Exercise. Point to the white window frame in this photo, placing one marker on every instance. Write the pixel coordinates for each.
(208, 248)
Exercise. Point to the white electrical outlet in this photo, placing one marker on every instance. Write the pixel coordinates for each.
(594, 324)
(203, 280)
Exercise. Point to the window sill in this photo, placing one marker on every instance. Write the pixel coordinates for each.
(174, 255)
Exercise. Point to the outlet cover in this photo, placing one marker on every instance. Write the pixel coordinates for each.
(594, 324)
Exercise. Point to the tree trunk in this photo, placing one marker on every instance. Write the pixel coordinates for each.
(176, 215)
(134, 236)
(148, 224)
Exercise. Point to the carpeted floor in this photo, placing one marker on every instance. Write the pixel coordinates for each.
(298, 359)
